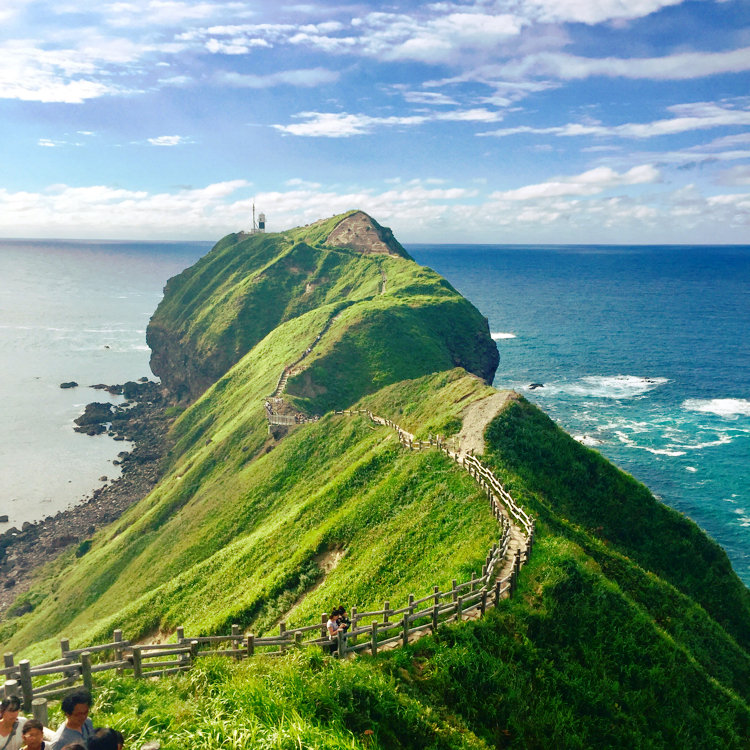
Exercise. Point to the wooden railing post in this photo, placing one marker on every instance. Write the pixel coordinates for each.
(405, 630)
(498, 586)
(137, 663)
(39, 710)
(27, 689)
(10, 688)
(282, 634)
(323, 628)
(353, 618)
(374, 637)
(386, 611)
(8, 660)
(435, 616)
(117, 638)
(250, 645)
(453, 590)
(86, 671)
(180, 634)
(64, 646)
(483, 603)
(459, 608)
(237, 642)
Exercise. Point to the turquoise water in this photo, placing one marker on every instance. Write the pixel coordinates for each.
(69, 311)
(643, 355)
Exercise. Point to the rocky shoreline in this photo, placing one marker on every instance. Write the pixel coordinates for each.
(142, 419)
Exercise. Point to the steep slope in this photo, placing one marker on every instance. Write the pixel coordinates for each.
(213, 313)
(629, 627)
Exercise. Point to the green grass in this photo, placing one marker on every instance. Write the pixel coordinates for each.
(565, 481)
(216, 311)
(570, 662)
(235, 534)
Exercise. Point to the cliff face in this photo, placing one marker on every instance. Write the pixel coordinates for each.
(215, 312)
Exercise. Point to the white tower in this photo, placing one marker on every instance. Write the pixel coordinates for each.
(260, 226)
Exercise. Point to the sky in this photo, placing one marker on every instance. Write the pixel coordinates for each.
(492, 121)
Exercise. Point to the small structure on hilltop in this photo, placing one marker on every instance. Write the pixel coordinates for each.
(260, 226)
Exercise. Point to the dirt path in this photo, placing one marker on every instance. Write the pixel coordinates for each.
(477, 416)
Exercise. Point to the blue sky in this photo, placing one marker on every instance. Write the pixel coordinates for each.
(504, 121)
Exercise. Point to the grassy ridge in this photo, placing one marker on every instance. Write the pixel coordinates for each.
(235, 534)
(216, 311)
(571, 662)
(567, 482)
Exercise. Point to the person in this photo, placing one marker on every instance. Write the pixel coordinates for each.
(343, 620)
(77, 727)
(105, 739)
(332, 626)
(11, 724)
(33, 735)
(74, 746)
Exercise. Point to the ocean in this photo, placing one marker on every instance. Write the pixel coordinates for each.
(70, 311)
(641, 353)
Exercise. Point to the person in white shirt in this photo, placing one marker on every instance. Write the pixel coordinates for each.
(11, 724)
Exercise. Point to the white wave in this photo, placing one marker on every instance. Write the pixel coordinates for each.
(691, 469)
(724, 407)
(499, 336)
(656, 451)
(722, 440)
(589, 440)
(606, 386)
(142, 348)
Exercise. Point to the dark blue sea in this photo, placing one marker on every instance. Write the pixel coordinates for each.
(643, 355)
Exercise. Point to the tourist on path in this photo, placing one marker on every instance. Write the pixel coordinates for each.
(11, 724)
(33, 735)
(77, 727)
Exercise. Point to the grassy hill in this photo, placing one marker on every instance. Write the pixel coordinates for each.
(216, 311)
(629, 628)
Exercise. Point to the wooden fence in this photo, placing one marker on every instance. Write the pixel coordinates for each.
(369, 631)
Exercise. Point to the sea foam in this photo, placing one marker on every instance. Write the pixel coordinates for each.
(723, 407)
(500, 336)
(606, 386)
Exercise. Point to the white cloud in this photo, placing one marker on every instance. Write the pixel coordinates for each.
(167, 12)
(417, 210)
(342, 125)
(169, 140)
(594, 12)
(683, 66)
(739, 175)
(689, 117)
(592, 182)
(308, 77)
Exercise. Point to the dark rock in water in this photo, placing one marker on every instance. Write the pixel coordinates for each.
(144, 379)
(4, 519)
(131, 390)
(95, 414)
(534, 386)
(69, 384)
(27, 525)
(103, 478)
